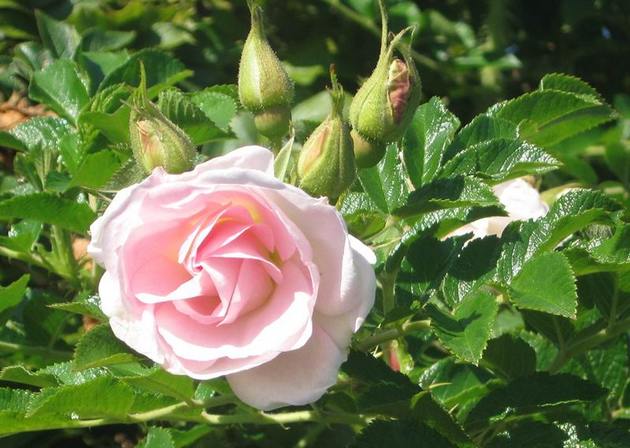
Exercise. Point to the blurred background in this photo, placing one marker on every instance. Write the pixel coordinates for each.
(472, 53)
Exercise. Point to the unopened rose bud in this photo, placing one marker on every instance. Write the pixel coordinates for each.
(384, 105)
(155, 140)
(326, 165)
(264, 87)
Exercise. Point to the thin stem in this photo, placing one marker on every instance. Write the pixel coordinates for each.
(370, 26)
(388, 284)
(612, 318)
(33, 259)
(62, 248)
(394, 333)
(384, 25)
(582, 344)
(263, 418)
(172, 412)
(158, 413)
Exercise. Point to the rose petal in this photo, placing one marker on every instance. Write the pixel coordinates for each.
(282, 323)
(293, 378)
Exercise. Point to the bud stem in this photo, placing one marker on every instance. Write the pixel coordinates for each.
(384, 27)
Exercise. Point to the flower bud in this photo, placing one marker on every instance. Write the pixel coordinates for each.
(384, 105)
(156, 140)
(366, 153)
(326, 165)
(264, 87)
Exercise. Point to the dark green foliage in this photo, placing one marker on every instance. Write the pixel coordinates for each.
(517, 339)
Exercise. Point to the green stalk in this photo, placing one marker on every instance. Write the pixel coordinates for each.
(370, 26)
(393, 333)
(62, 250)
(582, 344)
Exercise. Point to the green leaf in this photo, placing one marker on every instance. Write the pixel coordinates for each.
(615, 434)
(482, 128)
(569, 84)
(547, 117)
(19, 375)
(218, 104)
(573, 211)
(59, 37)
(600, 250)
(455, 384)
(363, 217)
(101, 397)
(455, 192)
(546, 283)
(419, 273)
(510, 357)
(617, 158)
(531, 394)
(616, 249)
(385, 183)
(99, 39)
(96, 170)
(499, 160)
(604, 365)
(282, 162)
(22, 236)
(99, 64)
(61, 87)
(50, 209)
(188, 437)
(114, 126)
(156, 380)
(129, 173)
(182, 111)
(36, 133)
(15, 422)
(474, 267)
(382, 385)
(12, 294)
(430, 132)
(158, 438)
(15, 400)
(99, 348)
(530, 434)
(84, 303)
(431, 413)
(161, 70)
(467, 329)
(556, 329)
(66, 374)
(399, 434)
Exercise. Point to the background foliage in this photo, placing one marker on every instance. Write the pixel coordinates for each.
(518, 341)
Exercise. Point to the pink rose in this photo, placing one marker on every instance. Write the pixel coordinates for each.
(225, 270)
(521, 202)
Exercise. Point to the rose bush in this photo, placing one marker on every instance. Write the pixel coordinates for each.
(225, 270)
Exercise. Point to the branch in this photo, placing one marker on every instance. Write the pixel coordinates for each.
(394, 333)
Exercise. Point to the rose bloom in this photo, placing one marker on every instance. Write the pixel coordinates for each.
(521, 202)
(225, 270)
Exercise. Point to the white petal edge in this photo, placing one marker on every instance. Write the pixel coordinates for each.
(293, 378)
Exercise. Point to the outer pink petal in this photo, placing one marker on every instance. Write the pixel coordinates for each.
(122, 215)
(137, 328)
(341, 327)
(292, 378)
(326, 232)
